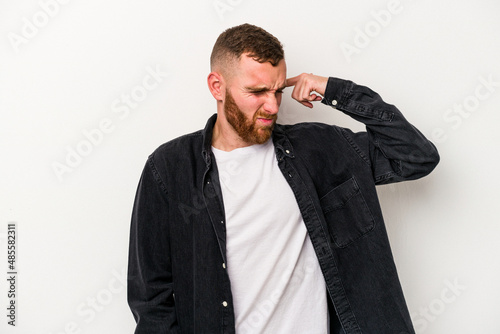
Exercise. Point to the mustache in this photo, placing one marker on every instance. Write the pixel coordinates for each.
(262, 114)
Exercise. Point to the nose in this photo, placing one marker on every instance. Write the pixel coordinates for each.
(272, 103)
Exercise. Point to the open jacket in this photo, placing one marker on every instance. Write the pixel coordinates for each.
(177, 278)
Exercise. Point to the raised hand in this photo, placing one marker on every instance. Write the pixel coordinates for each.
(306, 88)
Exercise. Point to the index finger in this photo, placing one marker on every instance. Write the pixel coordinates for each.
(292, 81)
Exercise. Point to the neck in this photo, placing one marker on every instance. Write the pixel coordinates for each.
(224, 137)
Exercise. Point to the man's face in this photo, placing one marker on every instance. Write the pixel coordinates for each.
(253, 97)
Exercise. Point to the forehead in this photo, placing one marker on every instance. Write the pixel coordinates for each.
(250, 72)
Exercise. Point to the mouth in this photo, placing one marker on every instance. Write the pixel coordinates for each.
(265, 121)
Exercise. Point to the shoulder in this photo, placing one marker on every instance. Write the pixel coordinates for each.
(312, 138)
(308, 129)
(178, 148)
(182, 142)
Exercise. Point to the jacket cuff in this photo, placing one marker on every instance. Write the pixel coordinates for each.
(336, 90)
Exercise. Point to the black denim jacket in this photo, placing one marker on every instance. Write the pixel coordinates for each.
(177, 278)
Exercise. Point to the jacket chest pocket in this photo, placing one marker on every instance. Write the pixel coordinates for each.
(347, 215)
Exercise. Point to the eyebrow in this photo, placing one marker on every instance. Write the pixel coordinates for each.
(263, 89)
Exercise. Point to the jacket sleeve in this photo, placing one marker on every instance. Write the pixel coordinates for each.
(395, 149)
(150, 291)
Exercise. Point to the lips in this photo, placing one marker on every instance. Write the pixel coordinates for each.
(266, 121)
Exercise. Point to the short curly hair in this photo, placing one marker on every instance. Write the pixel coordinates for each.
(246, 38)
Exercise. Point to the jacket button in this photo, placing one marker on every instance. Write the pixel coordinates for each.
(224, 303)
(224, 265)
(287, 151)
(334, 102)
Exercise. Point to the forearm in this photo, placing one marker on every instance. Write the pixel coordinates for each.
(396, 150)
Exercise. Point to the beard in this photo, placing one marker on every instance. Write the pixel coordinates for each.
(246, 128)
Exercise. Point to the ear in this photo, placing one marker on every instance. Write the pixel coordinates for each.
(216, 85)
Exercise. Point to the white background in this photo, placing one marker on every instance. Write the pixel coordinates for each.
(65, 69)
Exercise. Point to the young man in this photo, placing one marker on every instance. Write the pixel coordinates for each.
(249, 226)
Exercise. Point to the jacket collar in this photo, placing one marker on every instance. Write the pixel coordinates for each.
(207, 140)
(281, 142)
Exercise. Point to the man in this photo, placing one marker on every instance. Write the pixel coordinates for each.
(249, 226)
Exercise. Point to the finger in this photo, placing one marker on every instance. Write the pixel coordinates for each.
(308, 101)
(307, 92)
(310, 97)
(314, 97)
(307, 104)
(292, 81)
(301, 92)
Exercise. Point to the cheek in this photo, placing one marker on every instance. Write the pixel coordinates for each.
(251, 104)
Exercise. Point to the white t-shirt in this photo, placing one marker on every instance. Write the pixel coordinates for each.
(276, 281)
